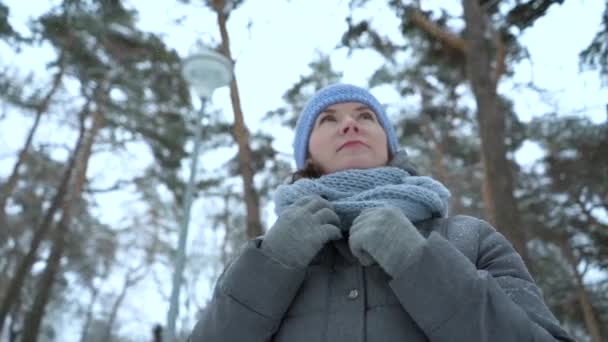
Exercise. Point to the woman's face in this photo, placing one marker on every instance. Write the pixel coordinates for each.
(347, 136)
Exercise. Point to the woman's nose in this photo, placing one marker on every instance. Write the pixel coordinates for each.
(349, 126)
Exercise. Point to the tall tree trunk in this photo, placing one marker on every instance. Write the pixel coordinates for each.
(226, 215)
(438, 166)
(7, 189)
(89, 315)
(34, 318)
(13, 293)
(9, 258)
(254, 225)
(131, 278)
(591, 322)
(437, 154)
(497, 191)
(14, 289)
(501, 206)
(13, 328)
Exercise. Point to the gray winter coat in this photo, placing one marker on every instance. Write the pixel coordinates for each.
(466, 283)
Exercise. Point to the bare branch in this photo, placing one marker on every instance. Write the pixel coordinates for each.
(119, 185)
(447, 38)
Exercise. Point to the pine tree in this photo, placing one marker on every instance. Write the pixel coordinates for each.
(595, 56)
(565, 199)
(131, 84)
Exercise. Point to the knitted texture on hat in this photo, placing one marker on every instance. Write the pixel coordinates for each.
(352, 191)
(337, 93)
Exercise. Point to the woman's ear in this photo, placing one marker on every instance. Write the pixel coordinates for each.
(402, 161)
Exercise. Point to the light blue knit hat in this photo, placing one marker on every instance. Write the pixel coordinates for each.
(337, 93)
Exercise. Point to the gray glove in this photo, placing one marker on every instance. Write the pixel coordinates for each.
(301, 231)
(383, 235)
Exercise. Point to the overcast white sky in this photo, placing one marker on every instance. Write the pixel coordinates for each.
(273, 52)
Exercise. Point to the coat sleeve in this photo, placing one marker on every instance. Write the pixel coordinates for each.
(249, 300)
(493, 299)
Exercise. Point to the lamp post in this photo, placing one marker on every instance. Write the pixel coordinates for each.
(205, 71)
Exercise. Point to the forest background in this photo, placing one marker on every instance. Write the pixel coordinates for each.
(505, 102)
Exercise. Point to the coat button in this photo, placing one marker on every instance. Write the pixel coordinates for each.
(353, 294)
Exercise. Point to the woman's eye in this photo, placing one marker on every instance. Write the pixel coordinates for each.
(367, 116)
(327, 118)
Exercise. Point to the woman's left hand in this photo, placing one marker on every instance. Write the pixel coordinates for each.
(383, 235)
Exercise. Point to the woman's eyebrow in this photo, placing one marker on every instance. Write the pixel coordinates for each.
(328, 110)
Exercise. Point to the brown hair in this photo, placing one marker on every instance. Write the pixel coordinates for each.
(310, 170)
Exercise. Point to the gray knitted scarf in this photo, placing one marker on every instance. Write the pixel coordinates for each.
(352, 191)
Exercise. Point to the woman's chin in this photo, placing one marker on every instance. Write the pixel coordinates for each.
(354, 164)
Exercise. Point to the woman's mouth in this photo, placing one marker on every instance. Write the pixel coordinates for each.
(351, 143)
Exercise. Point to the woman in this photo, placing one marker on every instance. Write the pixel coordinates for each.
(363, 250)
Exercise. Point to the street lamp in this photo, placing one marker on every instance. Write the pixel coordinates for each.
(205, 70)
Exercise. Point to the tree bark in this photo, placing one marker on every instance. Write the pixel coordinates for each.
(34, 317)
(458, 43)
(226, 223)
(447, 38)
(501, 207)
(437, 155)
(13, 293)
(89, 315)
(8, 187)
(13, 329)
(254, 225)
(591, 322)
(130, 280)
(14, 289)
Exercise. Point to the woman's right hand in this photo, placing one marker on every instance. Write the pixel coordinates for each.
(301, 231)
